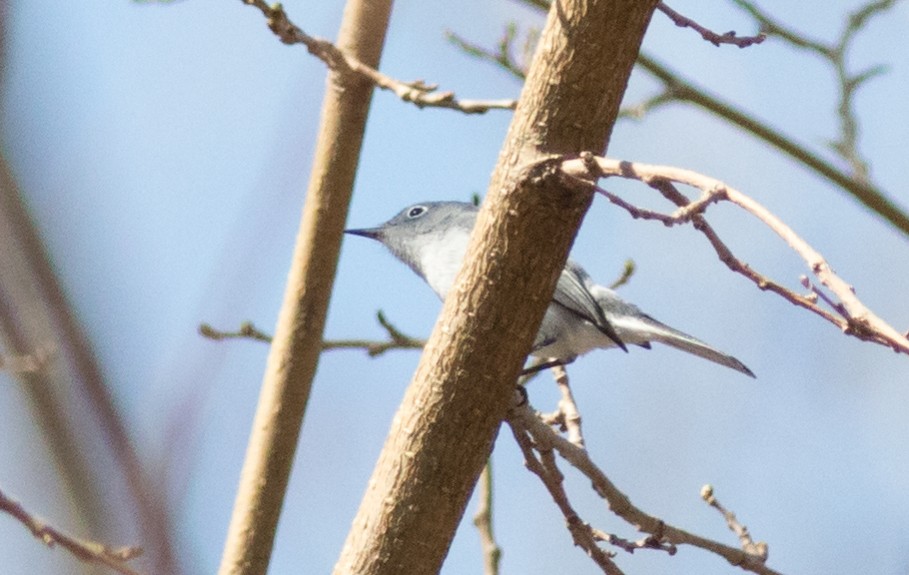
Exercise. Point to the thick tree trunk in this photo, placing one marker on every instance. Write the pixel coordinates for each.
(444, 429)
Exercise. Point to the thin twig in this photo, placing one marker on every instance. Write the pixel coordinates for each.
(567, 417)
(247, 331)
(851, 316)
(649, 542)
(707, 34)
(82, 549)
(758, 549)
(418, 92)
(396, 338)
(835, 54)
(492, 553)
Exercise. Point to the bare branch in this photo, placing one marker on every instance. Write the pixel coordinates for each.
(852, 317)
(709, 35)
(567, 417)
(419, 93)
(82, 549)
(545, 468)
(396, 338)
(294, 354)
(492, 553)
(758, 549)
(835, 54)
(247, 331)
(503, 56)
(532, 433)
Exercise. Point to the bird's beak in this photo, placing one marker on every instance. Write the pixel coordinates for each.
(371, 233)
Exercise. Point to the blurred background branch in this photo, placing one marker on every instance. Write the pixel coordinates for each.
(88, 551)
(374, 348)
(69, 396)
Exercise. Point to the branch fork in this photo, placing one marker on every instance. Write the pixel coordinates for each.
(849, 313)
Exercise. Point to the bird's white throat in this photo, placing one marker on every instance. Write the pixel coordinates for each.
(441, 259)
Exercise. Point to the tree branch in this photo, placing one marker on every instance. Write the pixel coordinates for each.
(247, 330)
(709, 35)
(758, 549)
(482, 519)
(443, 431)
(835, 54)
(851, 316)
(567, 417)
(396, 338)
(82, 549)
(545, 468)
(530, 430)
(419, 93)
(294, 353)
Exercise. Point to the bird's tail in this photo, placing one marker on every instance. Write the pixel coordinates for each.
(642, 329)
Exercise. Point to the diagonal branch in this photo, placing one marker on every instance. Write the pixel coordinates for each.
(544, 467)
(851, 316)
(759, 549)
(707, 34)
(419, 93)
(867, 193)
(443, 431)
(525, 423)
(293, 355)
(82, 549)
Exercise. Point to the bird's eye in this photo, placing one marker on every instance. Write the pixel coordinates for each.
(416, 211)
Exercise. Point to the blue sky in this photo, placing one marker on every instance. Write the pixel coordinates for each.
(164, 151)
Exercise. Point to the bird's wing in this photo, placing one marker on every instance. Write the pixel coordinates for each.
(573, 294)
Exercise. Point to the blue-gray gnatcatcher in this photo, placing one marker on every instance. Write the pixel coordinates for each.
(432, 238)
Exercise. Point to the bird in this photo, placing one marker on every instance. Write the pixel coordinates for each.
(432, 238)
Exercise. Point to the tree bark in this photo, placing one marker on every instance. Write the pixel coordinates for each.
(444, 430)
(297, 341)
